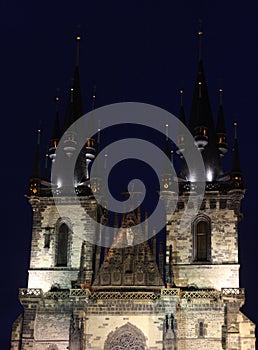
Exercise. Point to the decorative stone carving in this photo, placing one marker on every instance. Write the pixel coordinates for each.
(126, 337)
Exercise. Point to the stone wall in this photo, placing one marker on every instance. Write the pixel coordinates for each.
(43, 271)
(222, 269)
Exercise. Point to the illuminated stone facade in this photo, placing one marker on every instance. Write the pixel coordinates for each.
(180, 293)
(195, 313)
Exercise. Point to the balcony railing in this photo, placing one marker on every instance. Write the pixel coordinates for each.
(174, 292)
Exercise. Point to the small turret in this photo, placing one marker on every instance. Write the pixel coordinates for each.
(221, 130)
(35, 176)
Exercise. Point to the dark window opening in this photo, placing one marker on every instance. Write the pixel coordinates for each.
(201, 238)
(62, 245)
(47, 240)
(201, 231)
(201, 329)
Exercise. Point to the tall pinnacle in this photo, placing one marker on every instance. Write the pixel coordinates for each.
(201, 122)
(220, 128)
(236, 167)
(74, 108)
(200, 33)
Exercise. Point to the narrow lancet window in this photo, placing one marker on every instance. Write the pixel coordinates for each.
(201, 329)
(62, 245)
(201, 239)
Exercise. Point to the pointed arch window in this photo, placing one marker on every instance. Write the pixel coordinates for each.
(62, 245)
(202, 239)
(201, 329)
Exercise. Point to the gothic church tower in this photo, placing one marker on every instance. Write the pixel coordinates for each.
(181, 292)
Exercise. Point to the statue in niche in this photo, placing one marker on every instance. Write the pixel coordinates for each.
(129, 236)
(128, 263)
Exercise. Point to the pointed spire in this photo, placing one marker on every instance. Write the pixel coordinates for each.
(182, 111)
(78, 39)
(55, 132)
(93, 103)
(202, 127)
(74, 109)
(181, 137)
(167, 150)
(236, 173)
(36, 165)
(200, 33)
(220, 128)
(56, 128)
(45, 175)
(78, 110)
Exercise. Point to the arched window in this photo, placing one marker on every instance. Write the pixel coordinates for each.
(201, 329)
(62, 245)
(201, 239)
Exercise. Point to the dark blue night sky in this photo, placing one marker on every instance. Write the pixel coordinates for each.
(141, 51)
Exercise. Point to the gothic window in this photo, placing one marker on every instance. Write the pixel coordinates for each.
(201, 239)
(47, 240)
(201, 329)
(127, 337)
(62, 245)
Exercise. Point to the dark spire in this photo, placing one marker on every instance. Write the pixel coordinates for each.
(182, 110)
(74, 109)
(181, 137)
(93, 102)
(78, 39)
(236, 173)
(36, 165)
(55, 133)
(56, 128)
(201, 123)
(200, 33)
(220, 128)
(45, 175)
(70, 111)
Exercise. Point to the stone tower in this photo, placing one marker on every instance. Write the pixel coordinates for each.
(180, 292)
